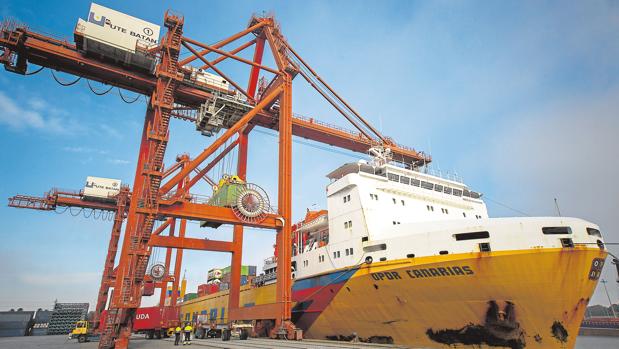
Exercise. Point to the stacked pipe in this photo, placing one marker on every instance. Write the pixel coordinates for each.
(64, 317)
(15, 323)
(41, 322)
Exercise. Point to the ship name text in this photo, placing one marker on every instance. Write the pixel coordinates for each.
(424, 273)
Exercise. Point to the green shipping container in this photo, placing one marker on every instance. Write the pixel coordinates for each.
(226, 195)
(246, 270)
(190, 296)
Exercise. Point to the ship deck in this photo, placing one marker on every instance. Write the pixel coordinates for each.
(139, 342)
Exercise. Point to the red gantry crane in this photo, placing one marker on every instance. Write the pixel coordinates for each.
(116, 207)
(174, 89)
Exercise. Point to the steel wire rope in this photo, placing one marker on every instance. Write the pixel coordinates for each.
(64, 83)
(316, 146)
(125, 100)
(98, 93)
(87, 215)
(63, 211)
(334, 98)
(94, 214)
(35, 72)
(78, 212)
(507, 206)
(229, 162)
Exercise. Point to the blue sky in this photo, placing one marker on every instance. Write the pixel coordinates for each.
(519, 98)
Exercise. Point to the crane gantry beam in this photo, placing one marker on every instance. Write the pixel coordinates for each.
(23, 46)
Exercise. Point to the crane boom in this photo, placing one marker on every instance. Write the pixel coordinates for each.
(22, 46)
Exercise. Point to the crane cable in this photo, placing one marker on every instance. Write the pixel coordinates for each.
(89, 86)
(125, 100)
(64, 83)
(98, 93)
(35, 72)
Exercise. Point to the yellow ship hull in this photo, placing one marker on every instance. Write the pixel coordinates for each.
(514, 299)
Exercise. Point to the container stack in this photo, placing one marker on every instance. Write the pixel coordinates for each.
(64, 317)
(41, 322)
(15, 323)
(190, 296)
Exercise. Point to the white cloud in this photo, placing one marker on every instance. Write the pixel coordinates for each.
(118, 161)
(110, 131)
(80, 149)
(18, 117)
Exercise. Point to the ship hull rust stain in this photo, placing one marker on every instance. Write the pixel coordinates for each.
(559, 332)
(499, 330)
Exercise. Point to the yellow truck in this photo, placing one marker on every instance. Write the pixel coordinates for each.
(82, 331)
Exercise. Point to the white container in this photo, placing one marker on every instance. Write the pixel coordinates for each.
(118, 36)
(98, 188)
(214, 274)
(202, 77)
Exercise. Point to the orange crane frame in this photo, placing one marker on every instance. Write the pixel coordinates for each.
(171, 96)
(56, 198)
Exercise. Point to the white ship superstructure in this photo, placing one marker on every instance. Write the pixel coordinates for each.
(385, 212)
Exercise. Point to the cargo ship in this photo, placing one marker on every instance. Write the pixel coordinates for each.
(408, 257)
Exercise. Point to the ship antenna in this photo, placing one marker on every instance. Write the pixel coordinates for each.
(557, 206)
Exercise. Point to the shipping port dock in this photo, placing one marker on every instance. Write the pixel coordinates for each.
(60, 342)
(399, 255)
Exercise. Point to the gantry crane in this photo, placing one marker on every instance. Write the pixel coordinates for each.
(172, 93)
(117, 207)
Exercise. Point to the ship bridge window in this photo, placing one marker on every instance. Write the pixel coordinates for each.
(347, 198)
(427, 185)
(438, 187)
(457, 192)
(393, 177)
(374, 248)
(466, 193)
(594, 232)
(405, 180)
(447, 190)
(475, 195)
(472, 236)
(415, 182)
(556, 230)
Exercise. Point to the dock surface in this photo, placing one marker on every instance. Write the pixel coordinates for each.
(61, 342)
